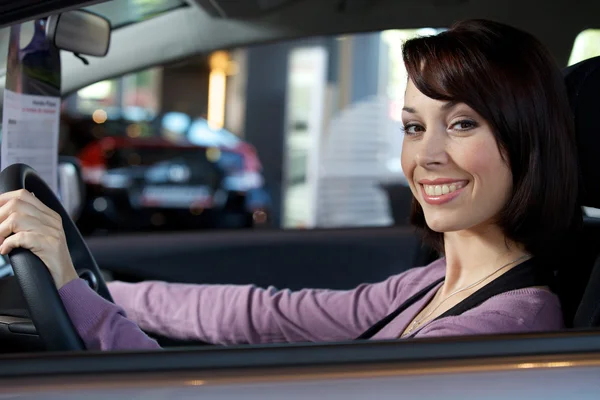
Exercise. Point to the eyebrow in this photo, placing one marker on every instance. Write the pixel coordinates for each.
(445, 107)
(449, 105)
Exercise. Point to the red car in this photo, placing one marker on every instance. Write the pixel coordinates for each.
(137, 183)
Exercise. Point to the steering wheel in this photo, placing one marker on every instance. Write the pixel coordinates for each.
(45, 307)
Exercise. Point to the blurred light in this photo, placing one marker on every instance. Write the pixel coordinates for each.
(100, 91)
(219, 60)
(176, 122)
(195, 383)
(157, 219)
(243, 181)
(99, 116)
(217, 85)
(179, 173)
(100, 204)
(134, 159)
(134, 131)
(427, 32)
(558, 364)
(213, 154)
(216, 99)
(115, 180)
(93, 174)
(202, 134)
(526, 365)
(260, 217)
(137, 114)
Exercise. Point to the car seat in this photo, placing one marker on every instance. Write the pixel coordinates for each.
(579, 278)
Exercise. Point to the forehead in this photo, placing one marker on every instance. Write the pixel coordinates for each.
(412, 91)
(413, 98)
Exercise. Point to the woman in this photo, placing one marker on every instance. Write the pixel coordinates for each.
(488, 151)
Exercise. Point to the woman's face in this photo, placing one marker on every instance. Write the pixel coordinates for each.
(452, 163)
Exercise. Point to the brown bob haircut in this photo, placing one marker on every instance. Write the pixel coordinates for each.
(512, 81)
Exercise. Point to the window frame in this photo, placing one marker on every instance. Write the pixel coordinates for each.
(566, 347)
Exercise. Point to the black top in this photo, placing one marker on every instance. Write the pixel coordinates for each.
(527, 274)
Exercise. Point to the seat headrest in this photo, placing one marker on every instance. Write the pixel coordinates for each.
(583, 87)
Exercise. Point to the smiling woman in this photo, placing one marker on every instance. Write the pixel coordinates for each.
(503, 129)
(488, 146)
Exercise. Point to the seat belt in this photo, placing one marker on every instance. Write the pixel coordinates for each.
(527, 274)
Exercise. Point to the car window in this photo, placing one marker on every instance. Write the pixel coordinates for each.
(310, 139)
(125, 12)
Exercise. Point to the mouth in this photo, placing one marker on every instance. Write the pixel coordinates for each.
(441, 192)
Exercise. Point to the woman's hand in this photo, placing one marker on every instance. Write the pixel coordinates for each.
(38, 228)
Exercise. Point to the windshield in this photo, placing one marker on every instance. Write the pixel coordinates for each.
(125, 12)
(119, 12)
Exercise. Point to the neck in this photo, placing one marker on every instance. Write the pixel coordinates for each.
(471, 256)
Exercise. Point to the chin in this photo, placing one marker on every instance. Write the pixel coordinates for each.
(443, 225)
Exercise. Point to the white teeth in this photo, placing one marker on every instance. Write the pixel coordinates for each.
(438, 190)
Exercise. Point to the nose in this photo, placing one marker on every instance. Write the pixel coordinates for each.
(432, 149)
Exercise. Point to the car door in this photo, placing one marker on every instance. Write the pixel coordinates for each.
(335, 259)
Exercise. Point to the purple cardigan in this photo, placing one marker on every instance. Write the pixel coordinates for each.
(228, 314)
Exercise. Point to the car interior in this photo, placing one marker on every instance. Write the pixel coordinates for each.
(333, 258)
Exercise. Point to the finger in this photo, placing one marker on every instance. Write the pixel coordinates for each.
(15, 194)
(25, 240)
(16, 223)
(17, 208)
(28, 197)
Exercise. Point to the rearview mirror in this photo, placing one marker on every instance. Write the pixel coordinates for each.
(80, 32)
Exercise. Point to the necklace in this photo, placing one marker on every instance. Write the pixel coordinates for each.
(417, 322)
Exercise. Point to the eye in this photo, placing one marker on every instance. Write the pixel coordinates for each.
(464, 125)
(412, 129)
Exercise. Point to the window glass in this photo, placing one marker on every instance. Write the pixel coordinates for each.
(125, 12)
(296, 135)
(133, 97)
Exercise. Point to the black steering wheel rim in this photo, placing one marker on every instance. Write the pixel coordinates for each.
(41, 296)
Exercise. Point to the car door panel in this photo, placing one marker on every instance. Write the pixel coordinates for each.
(335, 259)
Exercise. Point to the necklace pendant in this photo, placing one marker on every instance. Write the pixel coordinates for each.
(408, 331)
(411, 328)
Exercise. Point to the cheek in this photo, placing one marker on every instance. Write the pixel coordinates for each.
(407, 161)
(483, 160)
